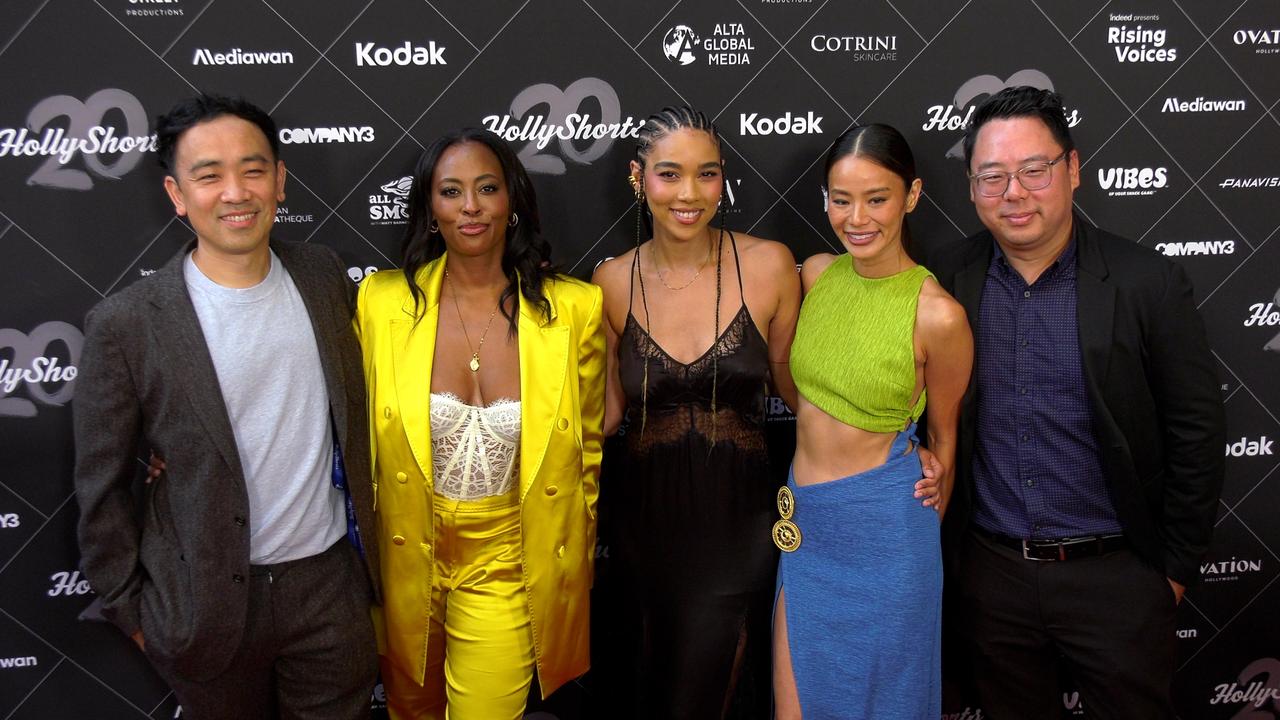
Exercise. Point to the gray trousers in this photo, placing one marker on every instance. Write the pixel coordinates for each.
(308, 649)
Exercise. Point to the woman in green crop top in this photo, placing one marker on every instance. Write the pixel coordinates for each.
(861, 575)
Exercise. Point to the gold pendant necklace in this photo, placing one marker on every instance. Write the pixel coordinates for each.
(475, 352)
(662, 275)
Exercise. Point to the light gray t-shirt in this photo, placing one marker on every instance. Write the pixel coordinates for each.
(268, 367)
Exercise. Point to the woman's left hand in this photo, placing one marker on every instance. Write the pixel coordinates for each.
(927, 487)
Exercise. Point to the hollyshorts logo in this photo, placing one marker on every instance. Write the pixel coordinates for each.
(402, 55)
(236, 56)
(284, 216)
(578, 137)
(1228, 570)
(1129, 182)
(1139, 43)
(322, 135)
(858, 48)
(1196, 247)
(1201, 105)
(49, 379)
(357, 273)
(391, 206)
(68, 584)
(1263, 314)
(1263, 42)
(154, 8)
(953, 117)
(108, 133)
(728, 44)
(1257, 685)
(1250, 183)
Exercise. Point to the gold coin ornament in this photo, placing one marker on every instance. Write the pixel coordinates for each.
(786, 502)
(786, 535)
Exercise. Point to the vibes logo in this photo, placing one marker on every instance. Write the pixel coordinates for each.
(1122, 182)
(48, 378)
(956, 115)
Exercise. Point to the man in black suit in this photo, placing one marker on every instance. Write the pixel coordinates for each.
(241, 574)
(1091, 437)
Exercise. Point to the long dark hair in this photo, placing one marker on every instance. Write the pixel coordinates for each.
(526, 260)
(885, 146)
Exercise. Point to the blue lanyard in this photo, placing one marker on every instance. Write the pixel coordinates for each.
(340, 482)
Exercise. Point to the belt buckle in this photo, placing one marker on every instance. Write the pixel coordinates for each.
(1062, 554)
(786, 534)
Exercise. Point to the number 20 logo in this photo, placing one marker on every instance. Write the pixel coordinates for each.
(84, 118)
(560, 105)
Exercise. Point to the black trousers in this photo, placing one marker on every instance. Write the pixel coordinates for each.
(308, 650)
(1111, 617)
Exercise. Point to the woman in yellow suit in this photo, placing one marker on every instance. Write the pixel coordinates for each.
(486, 443)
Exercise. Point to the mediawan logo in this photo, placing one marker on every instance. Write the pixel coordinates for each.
(1139, 43)
(236, 56)
(154, 8)
(404, 55)
(295, 136)
(1264, 42)
(391, 207)
(728, 44)
(861, 48)
(1122, 182)
(1200, 105)
(1197, 247)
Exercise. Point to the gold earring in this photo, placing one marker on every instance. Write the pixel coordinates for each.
(636, 187)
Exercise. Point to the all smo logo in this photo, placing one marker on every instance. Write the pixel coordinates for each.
(33, 365)
(85, 134)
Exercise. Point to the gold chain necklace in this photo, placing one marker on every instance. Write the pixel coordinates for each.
(475, 352)
(662, 275)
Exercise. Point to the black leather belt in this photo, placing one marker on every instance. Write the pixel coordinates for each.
(1063, 549)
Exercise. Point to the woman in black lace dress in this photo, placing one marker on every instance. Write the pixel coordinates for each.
(699, 320)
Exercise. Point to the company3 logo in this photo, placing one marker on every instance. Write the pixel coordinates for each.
(678, 44)
(563, 123)
(946, 118)
(31, 365)
(10, 520)
(86, 134)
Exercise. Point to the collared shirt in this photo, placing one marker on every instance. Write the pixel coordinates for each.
(1036, 469)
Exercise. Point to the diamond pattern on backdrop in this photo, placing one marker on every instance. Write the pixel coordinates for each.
(386, 77)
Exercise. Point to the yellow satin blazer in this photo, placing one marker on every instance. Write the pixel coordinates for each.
(562, 412)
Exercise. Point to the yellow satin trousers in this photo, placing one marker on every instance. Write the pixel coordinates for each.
(480, 657)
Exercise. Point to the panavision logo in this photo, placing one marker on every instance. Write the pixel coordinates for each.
(1250, 183)
(236, 56)
(1132, 181)
(1139, 44)
(1200, 105)
(391, 207)
(404, 55)
(1264, 42)
(1228, 569)
(1197, 247)
(297, 136)
(861, 48)
(786, 124)
(728, 44)
(1244, 447)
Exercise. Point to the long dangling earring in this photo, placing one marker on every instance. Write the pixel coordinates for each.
(638, 188)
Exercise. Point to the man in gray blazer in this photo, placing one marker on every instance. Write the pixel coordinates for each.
(242, 573)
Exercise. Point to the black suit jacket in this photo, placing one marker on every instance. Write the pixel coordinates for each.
(178, 569)
(1152, 385)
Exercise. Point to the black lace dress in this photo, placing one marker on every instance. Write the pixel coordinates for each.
(696, 503)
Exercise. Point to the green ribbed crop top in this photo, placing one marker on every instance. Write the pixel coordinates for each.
(854, 354)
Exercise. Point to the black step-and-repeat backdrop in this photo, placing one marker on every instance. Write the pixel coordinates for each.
(1172, 102)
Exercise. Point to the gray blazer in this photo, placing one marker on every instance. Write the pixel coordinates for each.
(175, 564)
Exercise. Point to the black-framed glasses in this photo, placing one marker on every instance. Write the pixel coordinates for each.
(1033, 176)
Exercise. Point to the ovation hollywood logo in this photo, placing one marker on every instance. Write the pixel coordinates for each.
(728, 44)
(1139, 44)
(1227, 570)
(1129, 182)
(236, 56)
(1263, 42)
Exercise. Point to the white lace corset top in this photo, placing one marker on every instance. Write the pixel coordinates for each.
(473, 449)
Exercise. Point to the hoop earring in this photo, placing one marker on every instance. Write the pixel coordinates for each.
(434, 227)
(514, 221)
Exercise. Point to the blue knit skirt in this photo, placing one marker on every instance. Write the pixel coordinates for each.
(864, 595)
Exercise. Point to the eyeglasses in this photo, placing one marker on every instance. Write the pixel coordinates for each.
(1035, 176)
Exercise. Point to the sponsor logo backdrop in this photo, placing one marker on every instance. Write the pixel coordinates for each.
(1173, 105)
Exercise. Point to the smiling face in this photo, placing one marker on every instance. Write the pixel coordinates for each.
(469, 200)
(683, 179)
(866, 205)
(226, 182)
(1024, 221)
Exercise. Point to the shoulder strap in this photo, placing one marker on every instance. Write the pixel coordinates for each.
(738, 265)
